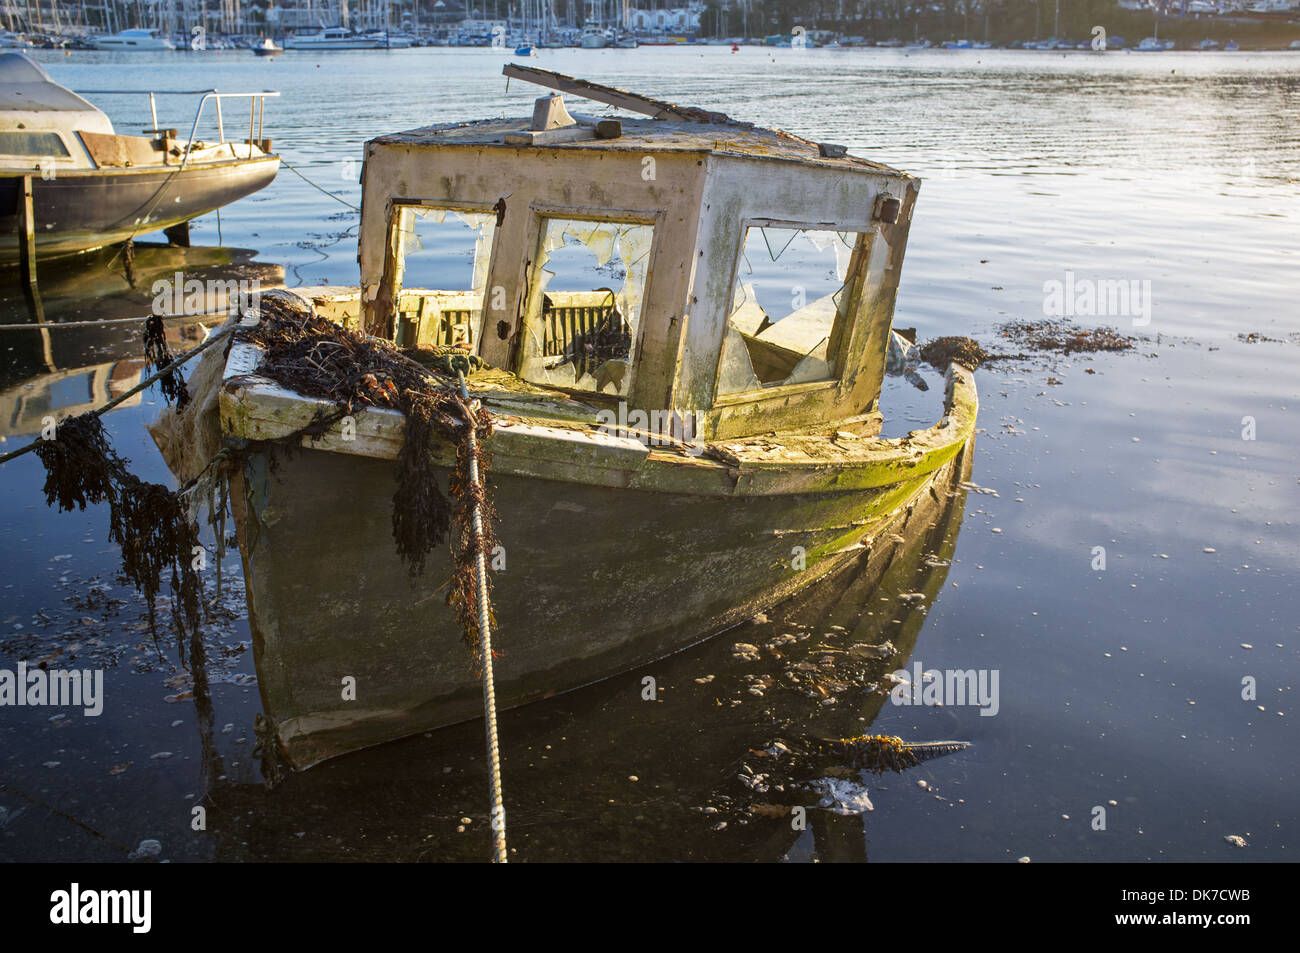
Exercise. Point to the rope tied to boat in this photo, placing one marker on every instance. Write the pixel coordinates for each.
(475, 495)
(318, 188)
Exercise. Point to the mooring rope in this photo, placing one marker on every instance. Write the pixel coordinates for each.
(213, 338)
(498, 815)
(319, 188)
(101, 322)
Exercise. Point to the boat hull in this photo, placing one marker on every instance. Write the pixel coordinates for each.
(723, 721)
(76, 212)
(317, 46)
(156, 46)
(598, 576)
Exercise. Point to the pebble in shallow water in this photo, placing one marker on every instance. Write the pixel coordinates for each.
(863, 650)
(148, 850)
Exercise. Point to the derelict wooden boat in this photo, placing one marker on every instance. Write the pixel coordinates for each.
(682, 440)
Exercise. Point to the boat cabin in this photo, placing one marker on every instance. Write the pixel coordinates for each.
(47, 128)
(41, 122)
(677, 262)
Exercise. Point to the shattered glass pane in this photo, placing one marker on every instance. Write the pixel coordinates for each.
(789, 309)
(737, 372)
(442, 268)
(584, 310)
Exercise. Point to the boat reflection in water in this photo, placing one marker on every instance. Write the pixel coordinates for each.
(609, 773)
(66, 366)
(100, 286)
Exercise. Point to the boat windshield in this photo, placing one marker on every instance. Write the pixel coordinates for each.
(585, 302)
(790, 307)
(32, 144)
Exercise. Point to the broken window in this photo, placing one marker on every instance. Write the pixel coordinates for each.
(442, 260)
(790, 307)
(584, 312)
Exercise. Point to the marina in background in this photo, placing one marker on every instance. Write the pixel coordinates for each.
(318, 25)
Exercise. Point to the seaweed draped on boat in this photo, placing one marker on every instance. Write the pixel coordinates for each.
(318, 358)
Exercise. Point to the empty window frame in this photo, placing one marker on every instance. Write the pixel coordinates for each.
(791, 307)
(441, 257)
(585, 304)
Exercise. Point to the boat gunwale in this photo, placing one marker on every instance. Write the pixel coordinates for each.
(255, 408)
(108, 172)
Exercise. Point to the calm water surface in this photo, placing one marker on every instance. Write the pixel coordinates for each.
(1120, 688)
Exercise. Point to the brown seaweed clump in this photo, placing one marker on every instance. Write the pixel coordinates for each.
(1058, 336)
(1065, 337)
(318, 358)
(881, 753)
(146, 520)
(941, 352)
(874, 753)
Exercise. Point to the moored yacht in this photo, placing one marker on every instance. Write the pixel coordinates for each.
(593, 38)
(334, 38)
(90, 186)
(133, 41)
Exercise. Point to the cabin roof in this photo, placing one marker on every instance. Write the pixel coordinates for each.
(26, 87)
(726, 138)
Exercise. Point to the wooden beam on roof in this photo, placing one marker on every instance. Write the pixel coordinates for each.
(541, 137)
(612, 96)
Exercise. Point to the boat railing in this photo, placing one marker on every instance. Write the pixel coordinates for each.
(256, 111)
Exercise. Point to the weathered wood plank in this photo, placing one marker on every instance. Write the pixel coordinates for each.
(609, 95)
